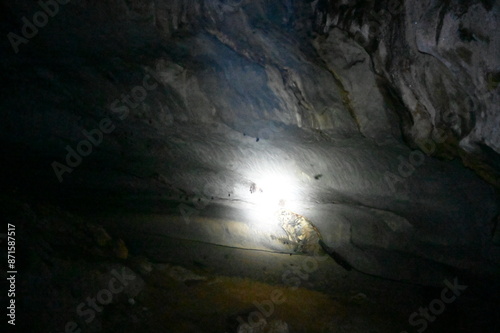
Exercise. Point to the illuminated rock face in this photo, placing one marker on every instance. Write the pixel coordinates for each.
(192, 102)
(303, 237)
(177, 127)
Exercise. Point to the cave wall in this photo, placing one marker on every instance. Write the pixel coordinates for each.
(335, 95)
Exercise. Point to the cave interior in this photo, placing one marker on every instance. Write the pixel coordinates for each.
(258, 166)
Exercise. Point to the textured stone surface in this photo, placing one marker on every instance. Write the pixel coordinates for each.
(440, 62)
(232, 92)
(235, 91)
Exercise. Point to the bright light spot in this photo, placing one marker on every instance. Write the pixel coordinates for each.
(272, 193)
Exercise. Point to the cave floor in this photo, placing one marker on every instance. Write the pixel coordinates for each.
(221, 303)
(187, 286)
